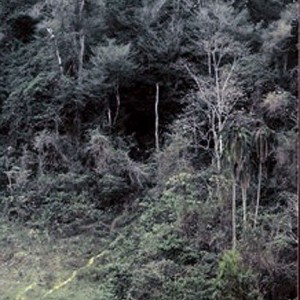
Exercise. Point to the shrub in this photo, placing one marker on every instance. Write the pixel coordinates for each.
(234, 281)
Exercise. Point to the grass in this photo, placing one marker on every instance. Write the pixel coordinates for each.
(35, 265)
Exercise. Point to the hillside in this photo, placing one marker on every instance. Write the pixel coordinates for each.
(148, 149)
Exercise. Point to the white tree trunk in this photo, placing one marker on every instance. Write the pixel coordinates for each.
(109, 116)
(81, 42)
(57, 53)
(157, 118)
(258, 193)
(118, 105)
(81, 55)
(244, 200)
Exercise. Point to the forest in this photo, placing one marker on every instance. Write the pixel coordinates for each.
(148, 149)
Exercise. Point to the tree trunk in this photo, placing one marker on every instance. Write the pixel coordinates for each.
(217, 157)
(118, 105)
(209, 63)
(195, 136)
(81, 55)
(244, 200)
(233, 214)
(82, 3)
(81, 41)
(57, 53)
(157, 119)
(109, 116)
(258, 193)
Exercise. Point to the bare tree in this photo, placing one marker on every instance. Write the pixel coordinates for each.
(217, 88)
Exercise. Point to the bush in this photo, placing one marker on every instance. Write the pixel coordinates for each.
(234, 281)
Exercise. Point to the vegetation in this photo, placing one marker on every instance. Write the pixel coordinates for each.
(148, 149)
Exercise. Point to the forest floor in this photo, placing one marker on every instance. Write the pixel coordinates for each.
(35, 265)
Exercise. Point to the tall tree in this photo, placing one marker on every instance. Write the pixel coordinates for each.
(221, 54)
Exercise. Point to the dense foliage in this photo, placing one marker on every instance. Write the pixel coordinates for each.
(165, 130)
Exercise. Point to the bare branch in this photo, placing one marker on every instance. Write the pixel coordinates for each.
(228, 77)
